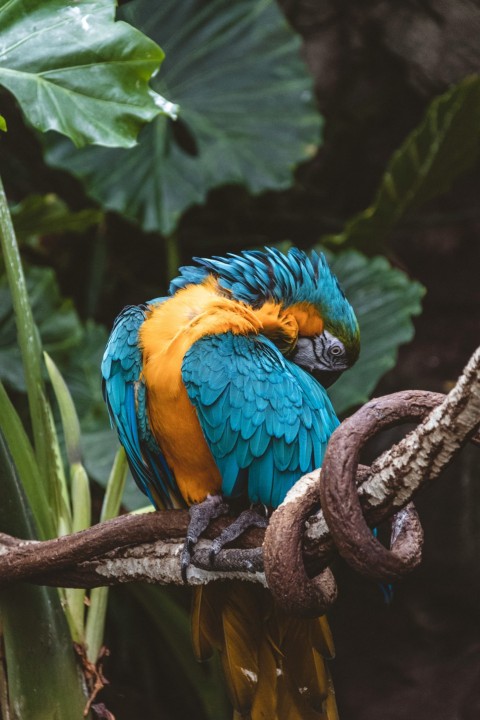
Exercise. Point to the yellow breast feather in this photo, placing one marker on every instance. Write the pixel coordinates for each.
(169, 330)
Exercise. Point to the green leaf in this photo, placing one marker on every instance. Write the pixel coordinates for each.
(44, 680)
(40, 215)
(95, 625)
(80, 517)
(115, 486)
(100, 448)
(247, 112)
(74, 70)
(441, 148)
(70, 422)
(23, 456)
(26, 335)
(3, 124)
(385, 300)
(81, 370)
(56, 484)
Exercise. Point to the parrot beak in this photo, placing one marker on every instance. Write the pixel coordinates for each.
(326, 377)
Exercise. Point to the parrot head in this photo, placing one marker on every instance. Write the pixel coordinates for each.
(301, 291)
(324, 356)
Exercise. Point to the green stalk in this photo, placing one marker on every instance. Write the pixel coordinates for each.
(28, 338)
(95, 625)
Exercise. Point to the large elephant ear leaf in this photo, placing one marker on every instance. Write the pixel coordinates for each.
(75, 70)
(247, 113)
(385, 300)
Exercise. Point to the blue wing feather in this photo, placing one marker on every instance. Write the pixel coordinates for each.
(125, 395)
(266, 421)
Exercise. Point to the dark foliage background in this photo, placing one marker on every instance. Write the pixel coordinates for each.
(376, 65)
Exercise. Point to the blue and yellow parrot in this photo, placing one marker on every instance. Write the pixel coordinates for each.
(217, 391)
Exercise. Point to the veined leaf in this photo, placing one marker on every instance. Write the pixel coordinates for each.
(247, 113)
(384, 300)
(74, 70)
(3, 124)
(441, 148)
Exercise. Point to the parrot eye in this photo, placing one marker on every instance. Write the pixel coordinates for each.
(336, 350)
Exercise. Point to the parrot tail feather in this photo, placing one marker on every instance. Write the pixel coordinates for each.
(274, 664)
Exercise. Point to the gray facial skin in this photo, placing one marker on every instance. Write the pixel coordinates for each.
(323, 356)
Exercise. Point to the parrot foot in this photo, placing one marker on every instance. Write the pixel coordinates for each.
(247, 519)
(201, 516)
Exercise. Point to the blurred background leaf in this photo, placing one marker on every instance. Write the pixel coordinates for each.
(442, 147)
(40, 215)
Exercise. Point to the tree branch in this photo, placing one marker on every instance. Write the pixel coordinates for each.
(85, 559)
(146, 547)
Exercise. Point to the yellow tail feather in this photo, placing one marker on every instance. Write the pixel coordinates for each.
(274, 664)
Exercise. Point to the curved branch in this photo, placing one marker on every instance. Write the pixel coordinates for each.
(130, 547)
(283, 554)
(398, 474)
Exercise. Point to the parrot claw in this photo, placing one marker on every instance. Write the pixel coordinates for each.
(186, 557)
(201, 516)
(247, 519)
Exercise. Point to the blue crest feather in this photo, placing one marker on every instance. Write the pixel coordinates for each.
(256, 276)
